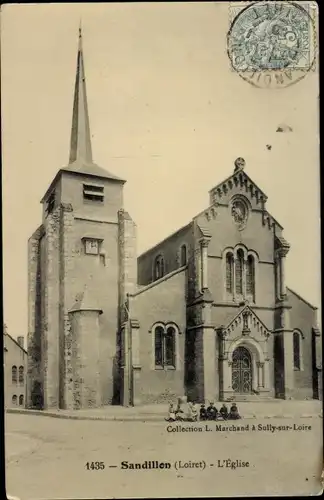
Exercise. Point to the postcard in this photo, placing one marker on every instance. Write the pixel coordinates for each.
(161, 250)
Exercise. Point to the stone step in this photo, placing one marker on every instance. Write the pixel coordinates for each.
(251, 397)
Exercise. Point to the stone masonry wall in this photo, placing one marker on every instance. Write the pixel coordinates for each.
(303, 318)
(127, 256)
(66, 283)
(127, 284)
(170, 249)
(34, 316)
(89, 366)
(50, 350)
(163, 302)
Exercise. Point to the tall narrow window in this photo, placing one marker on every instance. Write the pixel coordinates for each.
(229, 272)
(165, 346)
(250, 277)
(51, 202)
(170, 347)
(21, 374)
(239, 272)
(21, 400)
(158, 340)
(183, 255)
(158, 267)
(296, 348)
(14, 374)
(14, 399)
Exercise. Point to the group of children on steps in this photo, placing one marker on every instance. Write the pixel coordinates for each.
(209, 413)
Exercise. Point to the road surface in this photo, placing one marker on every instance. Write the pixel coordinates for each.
(47, 458)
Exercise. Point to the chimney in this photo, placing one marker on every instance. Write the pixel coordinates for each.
(20, 341)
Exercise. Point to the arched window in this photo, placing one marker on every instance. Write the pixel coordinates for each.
(296, 348)
(158, 267)
(170, 346)
(165, 346)
(183, 255)
(239, 272)
(21, 374)
(21, 400)
(14, 399)
(158, 340)
(14, 374)
(250, 277)
(229, 272)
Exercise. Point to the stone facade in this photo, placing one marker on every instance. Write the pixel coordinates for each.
(104, 353)
(260, 323)
(205, 314)
(15, 368)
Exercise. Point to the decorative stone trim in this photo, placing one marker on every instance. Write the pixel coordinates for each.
(201, 325)
(240, 211)
(211, 212)
(86, 217)
(242, 318)
(236, 179)
(267, 220)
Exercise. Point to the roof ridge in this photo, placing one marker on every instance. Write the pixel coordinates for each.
(16, 342)
(158, 282)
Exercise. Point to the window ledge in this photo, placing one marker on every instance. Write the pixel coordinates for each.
(165, 368)
(236, 302)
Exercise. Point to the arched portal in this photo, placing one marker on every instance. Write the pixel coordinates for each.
(242, 371)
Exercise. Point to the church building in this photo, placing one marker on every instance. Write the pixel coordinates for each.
(206, 313)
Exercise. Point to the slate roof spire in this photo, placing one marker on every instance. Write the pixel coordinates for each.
(80, 145)
(80, 159)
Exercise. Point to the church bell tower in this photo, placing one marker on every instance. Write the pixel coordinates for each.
(82, 262)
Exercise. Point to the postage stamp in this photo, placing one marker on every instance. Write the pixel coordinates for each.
(272, 44)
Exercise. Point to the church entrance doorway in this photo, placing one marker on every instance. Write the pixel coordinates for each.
(242, 371)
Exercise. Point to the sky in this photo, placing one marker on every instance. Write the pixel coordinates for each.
(167, 113)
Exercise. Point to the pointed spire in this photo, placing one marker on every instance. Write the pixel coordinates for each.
(80, 147)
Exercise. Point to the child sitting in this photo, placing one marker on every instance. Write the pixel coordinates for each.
(211, 412)
(203, 413)
(190, 412)
(224, 411)
(179, 412)
(194, 413)
(171, 416)
(234, 414)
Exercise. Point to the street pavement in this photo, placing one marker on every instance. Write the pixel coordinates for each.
(157, 412)
(46, 458)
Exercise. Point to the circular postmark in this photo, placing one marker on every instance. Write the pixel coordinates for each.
(272, 44)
